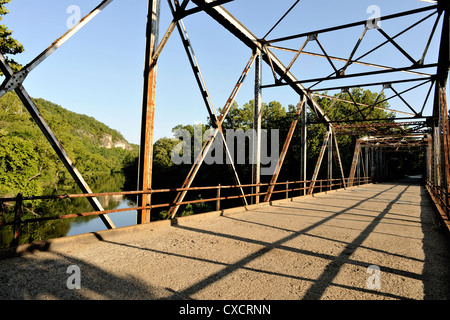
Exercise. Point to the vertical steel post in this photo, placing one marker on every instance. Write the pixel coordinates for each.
(287, 189)
(355, 160)
(148, 111)
(440, 111)
(319, 162)
(429, 159)
(358, 166)
(372, 165)
(218, 198)
(437, 153)
(303, 148)
(257, 116)
(338, 154)
(17, 218)
(330, 160)
(367, 174)
(445, 146)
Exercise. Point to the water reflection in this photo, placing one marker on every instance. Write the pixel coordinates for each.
(120, 219)
(60, 228)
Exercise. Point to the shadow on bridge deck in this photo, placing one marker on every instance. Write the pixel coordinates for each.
(328, 246)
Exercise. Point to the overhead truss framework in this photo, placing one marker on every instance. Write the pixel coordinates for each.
(402, 129)
(419, 71)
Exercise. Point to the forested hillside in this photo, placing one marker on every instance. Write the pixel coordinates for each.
(28, 163)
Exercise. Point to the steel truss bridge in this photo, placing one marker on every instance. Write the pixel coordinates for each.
(413, 129)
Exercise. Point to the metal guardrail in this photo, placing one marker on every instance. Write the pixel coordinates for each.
(289, 187)
(441, 199)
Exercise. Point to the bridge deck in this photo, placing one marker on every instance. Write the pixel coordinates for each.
(306, 248)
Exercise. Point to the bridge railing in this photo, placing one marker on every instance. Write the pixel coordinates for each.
(440, 197)
(287, 188)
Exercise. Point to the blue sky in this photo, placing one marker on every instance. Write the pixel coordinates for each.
(99, 71)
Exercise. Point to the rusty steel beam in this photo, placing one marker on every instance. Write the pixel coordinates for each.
(338, 154)
(330, 156)
(319, 162)
(405, 91)
(368, 84)
(316, 38)
(283, 153)
(430, 38)
(445, 138)
(207, 145)
(359, 74)
(17, 79)
(382, 129)
(304, 148)
(167, 34)
(229, 22)
(379, 46)
(358, 43)
(281, 19)
(429, 141)
(14, 82)
(439, 164)
(248, 38)
(440, 141)
(403, 51)
(404, 101)
(148, 112)
(54, 142)
(444, 54)
(19, 201)
(437, 156)
(355, 104)
(441, 103)
(184, 13)
(217, 121)
(367, 64)
(355, 161)
(351, 25)
(298, 53)
(361, 104)
(196, 69)
(257, 116)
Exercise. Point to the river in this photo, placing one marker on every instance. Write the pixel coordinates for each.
(68, 227)
(120, 219)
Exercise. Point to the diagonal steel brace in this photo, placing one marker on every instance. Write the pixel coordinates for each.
(207, 145)
(57, 146)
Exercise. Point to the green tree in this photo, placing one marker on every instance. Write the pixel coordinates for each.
(29, 164)
(8, 45)
(242, 117)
